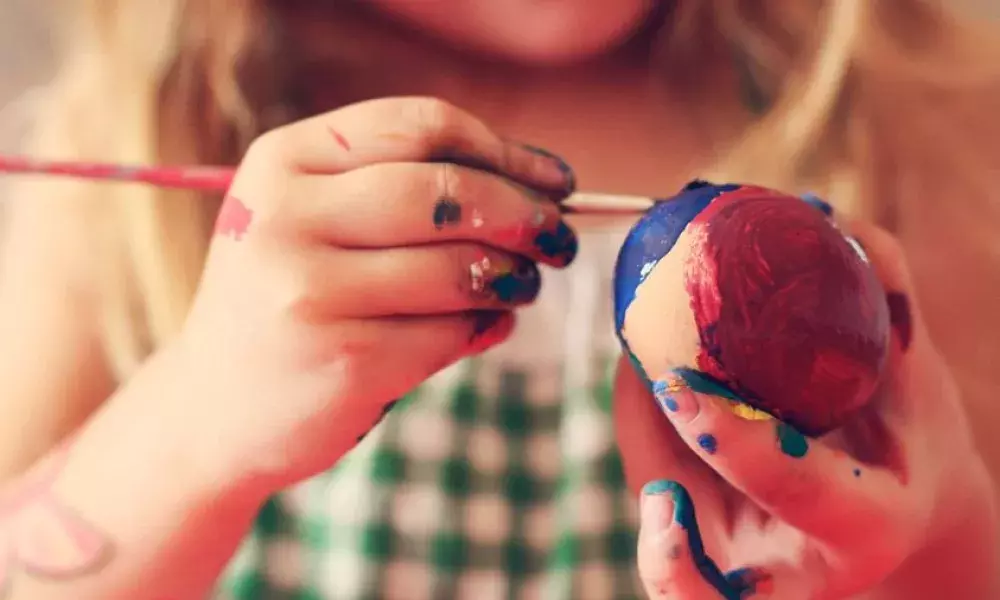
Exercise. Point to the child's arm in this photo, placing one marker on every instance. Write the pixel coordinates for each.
(128, 508)
(124, 510)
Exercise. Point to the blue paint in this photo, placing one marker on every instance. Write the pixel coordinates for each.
(654, 235)
(819, 203)
(748, 580)
(857, 472)
(703, 383)
(684, 516)
(560, 244)
(708, 443)
(661, 390)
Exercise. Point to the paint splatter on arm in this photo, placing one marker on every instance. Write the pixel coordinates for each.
(234, 219)
(39, 535)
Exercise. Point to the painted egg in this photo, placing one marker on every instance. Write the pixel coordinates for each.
(757, 296)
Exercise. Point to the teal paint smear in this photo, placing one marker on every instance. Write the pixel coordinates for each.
(791, 442)
(684, 516)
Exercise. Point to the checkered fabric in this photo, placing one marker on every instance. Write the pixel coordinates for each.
(497, 479)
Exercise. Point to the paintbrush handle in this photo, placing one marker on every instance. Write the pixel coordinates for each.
(218, 179)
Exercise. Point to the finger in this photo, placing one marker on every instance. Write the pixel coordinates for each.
(887, 258)
(650, 447)
(391, 130)
(409, 204)
(375, 359)
(822, 491)
(423, 280)
(673, 563)
(671, 554)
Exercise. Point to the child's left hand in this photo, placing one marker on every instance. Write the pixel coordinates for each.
(896, 504)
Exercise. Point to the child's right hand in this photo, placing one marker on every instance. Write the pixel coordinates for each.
(349, 264)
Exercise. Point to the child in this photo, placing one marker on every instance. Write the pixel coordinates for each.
(196, 380)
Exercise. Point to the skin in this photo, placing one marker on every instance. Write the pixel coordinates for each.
(178, 450)
(827, 518)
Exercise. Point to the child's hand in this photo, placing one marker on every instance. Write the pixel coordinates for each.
(352, 259)
(784, 517)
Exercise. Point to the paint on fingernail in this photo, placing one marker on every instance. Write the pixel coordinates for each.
(385, 411)
(901, 318)
(790, 440)
(567, 174)
(663, 392)
(703, 383)
(857, 472)
(447, 212)
(751, 581)
(708, 443)
(560, 244)
(819, 203)
(483, 322)
(505, 280)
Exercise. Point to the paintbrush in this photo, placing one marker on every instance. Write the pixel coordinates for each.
(218, 179)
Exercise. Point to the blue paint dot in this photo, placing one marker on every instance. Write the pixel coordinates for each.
(708, 443)
(857, 472)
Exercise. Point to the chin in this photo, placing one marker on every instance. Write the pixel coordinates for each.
(538, 32)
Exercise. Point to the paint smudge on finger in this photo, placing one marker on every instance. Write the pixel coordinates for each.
(900, 317)
(341, 140)
(446, 212)
(790, 441)
(684, 517)
(234, 218)
(708, 443)
(751, 581)
(505, 280)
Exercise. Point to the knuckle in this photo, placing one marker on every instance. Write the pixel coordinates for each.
(302, 291)
(269, 149)
(434, 120)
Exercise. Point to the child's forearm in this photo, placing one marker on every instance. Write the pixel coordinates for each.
(129, 508)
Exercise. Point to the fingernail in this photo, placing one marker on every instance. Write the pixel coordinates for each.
(659, 487)
(560, 244)
(488, 328)
(819, 203)
(676, 399)
(505, 280)
(655, 507)
(557, 170)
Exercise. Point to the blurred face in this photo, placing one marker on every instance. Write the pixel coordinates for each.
(530, 31)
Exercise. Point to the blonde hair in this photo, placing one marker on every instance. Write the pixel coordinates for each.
(853, 90)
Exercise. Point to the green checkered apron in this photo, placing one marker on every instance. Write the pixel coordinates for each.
(497, 479)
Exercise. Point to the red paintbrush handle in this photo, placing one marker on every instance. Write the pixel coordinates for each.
(217, 179)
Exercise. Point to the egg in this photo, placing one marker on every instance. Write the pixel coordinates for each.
(756, 296)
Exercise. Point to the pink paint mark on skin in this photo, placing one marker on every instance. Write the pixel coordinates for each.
(234, 218)
(341, 140)
(38, 534)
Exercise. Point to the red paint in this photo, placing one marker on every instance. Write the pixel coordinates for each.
(341, 140)
(234, 218)
(189, 178)
(789, 316)
(899, 316)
